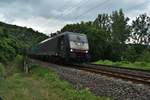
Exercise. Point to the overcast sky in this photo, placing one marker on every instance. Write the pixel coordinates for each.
(51, 15)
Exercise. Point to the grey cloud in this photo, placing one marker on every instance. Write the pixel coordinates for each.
(67, 10)
(60, 10)
(45, 8)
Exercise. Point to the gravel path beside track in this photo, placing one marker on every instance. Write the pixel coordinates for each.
(102, 85)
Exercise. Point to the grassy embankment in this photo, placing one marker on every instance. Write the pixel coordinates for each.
(39, 84)
(125, 64)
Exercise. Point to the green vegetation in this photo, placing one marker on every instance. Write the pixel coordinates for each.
(108, 36)
(126, 64)
(16, 40)
(2, 71)
(39, 84)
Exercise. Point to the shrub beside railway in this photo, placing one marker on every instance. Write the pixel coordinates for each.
(39, 84)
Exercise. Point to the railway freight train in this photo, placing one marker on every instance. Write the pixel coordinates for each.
(67, 46)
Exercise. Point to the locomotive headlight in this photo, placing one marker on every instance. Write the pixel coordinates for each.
(71, 50)
(86, 51)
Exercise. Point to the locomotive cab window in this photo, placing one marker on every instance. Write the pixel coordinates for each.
(78, 38)
(78, 41)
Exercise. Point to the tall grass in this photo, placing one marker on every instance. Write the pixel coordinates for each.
(136, 65)
(15, 66)
(39, 84)
(63, 88)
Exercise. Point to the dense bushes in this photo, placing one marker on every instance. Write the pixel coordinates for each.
(7, 51)
(16, 40)
(2, 71)
(145, 56)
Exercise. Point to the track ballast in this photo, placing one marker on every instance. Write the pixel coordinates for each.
(112, 72)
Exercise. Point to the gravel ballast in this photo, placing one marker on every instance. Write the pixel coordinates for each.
(101, 85)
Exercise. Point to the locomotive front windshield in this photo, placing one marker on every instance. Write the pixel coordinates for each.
(78, 42)
(78, 38)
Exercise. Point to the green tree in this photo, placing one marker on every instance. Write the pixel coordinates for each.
(120, 32)
(7, 52)
(103, 21)
(120, 28)
(141, 30)
(15, 40)
(130, 53)
(145, 56)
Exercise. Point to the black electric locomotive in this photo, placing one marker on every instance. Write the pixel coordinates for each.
(67, 46)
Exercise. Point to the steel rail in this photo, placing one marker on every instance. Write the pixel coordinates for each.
(118, 67)
(139, 79)
(121, 71)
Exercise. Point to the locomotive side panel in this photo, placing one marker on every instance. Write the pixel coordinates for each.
(49, 47)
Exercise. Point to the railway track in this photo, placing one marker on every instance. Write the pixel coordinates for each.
(98, 85)
(121, 74)
(112, 66)
(139, 77)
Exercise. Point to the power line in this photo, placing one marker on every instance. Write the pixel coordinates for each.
(64, 15)
(62, 7)
(91, 9)
(130, 8)
(65, 4)
(87, 11)
(80, 5)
